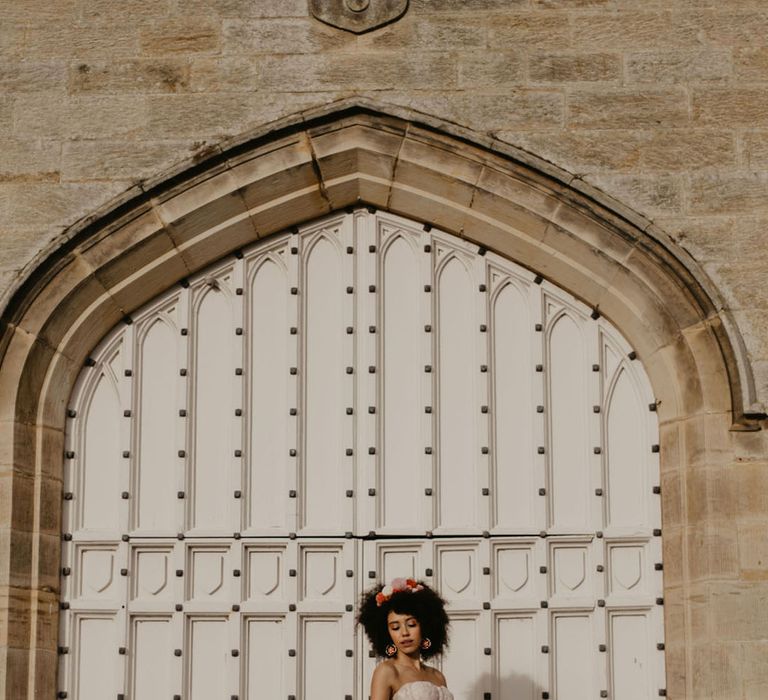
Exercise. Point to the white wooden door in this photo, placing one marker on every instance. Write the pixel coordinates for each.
(335, 406)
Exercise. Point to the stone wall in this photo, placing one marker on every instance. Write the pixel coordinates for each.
(663, 104)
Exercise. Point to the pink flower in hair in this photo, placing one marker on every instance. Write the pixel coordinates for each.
(398, 585)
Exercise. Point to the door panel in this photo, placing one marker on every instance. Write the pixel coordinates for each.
(212, 408)
(96, 662)
(206, 658)
(457, 416)
(158, 407)
(151, 641)
(264, 666)
(402, 409)
(270, 433)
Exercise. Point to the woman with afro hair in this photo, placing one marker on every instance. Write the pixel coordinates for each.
(405, 623)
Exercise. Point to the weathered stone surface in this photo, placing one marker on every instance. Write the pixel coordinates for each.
(180, 36)
(753, 149)
(430, 6)
(752, 484)
(716, 671)
(37, 116)
(348, 71)
(491, 69)
(31, 11)
(106, 159)
(539, 29)
(574, 67)
(624, 109)
(451, 33)
(651, 195)
(726, 26)
(723, 493)
(755, 655)
(282, 36)
(751, 64)
(713, 238)
(668, 150)
(662, 66)
(246, 8)
(573, 4)
(28, 76)
(726, 193)
(6, 115)
(226, 75)
(741, 282)
(734, 107)
(753, 324)
(760, 370)
(33, 160)
(6, 496)
(740, 611)
(53, 204)
(512, 109)
(750, 447)
(17, 670)
(61, 39)
(144, 76)
(640, 30)
(713, 552)
(210, 116)
(753, 551)
(86, 11)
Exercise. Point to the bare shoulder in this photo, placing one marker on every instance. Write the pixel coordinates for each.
(438, 675)
(382, 681)
(384, 672)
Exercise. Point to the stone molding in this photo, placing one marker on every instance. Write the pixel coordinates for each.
(671, 260)
(349, 154)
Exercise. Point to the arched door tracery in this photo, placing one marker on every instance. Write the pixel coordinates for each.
(357, 400)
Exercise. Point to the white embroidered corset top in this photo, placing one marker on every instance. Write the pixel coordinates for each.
(422, 690)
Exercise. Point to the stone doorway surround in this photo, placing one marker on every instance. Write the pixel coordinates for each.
(359, 153)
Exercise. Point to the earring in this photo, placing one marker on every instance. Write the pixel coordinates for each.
(391, 650)
(426, 643)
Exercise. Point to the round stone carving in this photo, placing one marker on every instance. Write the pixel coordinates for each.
(358, 16)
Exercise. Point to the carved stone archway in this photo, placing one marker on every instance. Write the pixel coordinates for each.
(296, 170)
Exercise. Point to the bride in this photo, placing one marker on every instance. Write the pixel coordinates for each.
(405, 622)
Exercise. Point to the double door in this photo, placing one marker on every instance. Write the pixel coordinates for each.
(360, 399)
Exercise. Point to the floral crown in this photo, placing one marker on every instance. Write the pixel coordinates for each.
(398, 585)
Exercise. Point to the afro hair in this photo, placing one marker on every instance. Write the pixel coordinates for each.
(425, 605)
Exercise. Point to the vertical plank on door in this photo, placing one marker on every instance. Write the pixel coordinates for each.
(213, 378)
(151, 651)
(512, 409)
(101, 458)
(156, 414)
(268, 414)
(456, 409)
(322, 483)
(403, 444)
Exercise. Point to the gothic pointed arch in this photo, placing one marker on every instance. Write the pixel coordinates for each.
(350, 154)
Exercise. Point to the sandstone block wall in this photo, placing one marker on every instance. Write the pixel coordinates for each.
(663, 104)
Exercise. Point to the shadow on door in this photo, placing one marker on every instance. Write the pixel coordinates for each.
(510, 687)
